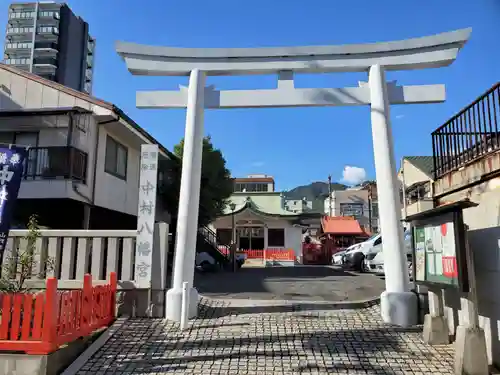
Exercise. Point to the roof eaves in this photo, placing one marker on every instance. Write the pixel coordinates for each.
(27, 112)
(148, 136)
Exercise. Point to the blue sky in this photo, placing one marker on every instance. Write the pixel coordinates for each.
(298, 145)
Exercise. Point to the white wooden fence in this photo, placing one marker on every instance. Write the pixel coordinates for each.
(73, 253)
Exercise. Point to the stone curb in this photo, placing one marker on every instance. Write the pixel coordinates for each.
(333, 305)
(94, 347)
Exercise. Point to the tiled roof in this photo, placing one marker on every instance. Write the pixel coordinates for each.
(341, 225)
(424, 163)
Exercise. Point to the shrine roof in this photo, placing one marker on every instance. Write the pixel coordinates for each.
(262, 203)
(341, 225)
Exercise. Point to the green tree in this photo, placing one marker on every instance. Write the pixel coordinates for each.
(216, 182)
(19, 267)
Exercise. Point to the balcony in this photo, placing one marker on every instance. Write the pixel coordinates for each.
(18, 62)
(469, 136)
(59, 162)
(88, 75)
(16, 18)
(19, 31)
(45, 61)
(418, 206)
(90, 47)
(18, 47)
(49, 15)
(48, 30)
(46, 46)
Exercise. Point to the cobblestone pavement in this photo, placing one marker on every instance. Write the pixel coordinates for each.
(269, 340)
(304, 283)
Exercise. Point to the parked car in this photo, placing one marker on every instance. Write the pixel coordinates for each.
(374, 259)
(377, 264)
(204, 262)
(355, 254)
(338, 258)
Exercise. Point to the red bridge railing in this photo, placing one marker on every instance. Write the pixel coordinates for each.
(40, 323)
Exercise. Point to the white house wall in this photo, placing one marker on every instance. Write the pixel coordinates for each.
(18, 92)
(112, 192)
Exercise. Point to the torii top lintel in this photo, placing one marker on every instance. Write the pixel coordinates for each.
(418, 53)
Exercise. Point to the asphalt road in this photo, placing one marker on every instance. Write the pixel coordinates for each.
(299, 283)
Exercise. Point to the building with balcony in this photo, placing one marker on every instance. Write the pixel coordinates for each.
(416, 175)
(84, 154)
(254, 183)
(48, 39)
(358, 202)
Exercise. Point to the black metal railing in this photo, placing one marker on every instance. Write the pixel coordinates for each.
(469, 135)
(211, 238)
(59, 162)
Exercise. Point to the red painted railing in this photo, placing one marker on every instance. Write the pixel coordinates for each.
(281, 254)
(40, 323)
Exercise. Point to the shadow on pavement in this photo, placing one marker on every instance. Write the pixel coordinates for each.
(301, 283)
(379, 350)
(214, 312)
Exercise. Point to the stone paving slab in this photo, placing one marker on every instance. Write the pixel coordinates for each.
(304, 283)
(293, 339)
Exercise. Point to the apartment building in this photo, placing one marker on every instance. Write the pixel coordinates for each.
(84, 154)
(48, 39)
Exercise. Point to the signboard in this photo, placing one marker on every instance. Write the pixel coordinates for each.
(435, 253)
(146, 215)
(11, 171)
(439, 250)
(351, 209)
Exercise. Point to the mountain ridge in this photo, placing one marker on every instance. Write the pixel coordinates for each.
(314, 190)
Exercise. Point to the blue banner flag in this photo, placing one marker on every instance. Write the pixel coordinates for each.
(11, 172)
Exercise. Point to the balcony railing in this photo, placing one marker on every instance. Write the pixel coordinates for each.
(46, 45)
(469, 135)
(45, 61)
(63, 162)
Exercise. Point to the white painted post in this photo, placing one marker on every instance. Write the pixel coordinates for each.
(398, 304)
(187, 222)
(185, 306)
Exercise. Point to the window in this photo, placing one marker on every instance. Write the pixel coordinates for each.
(116, 158)
(276, 238)
(378, 241)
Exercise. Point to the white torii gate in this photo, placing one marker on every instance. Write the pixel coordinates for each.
(398, 303)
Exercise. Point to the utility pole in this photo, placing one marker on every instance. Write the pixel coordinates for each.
(330, 194)
(370, 198)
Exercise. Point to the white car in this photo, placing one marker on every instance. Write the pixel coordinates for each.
(376, 265)
(370, 260)
(355, 254)
(374, 259)
(338, 258)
